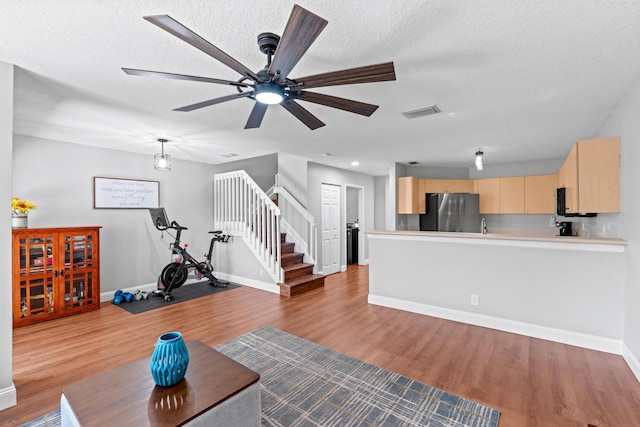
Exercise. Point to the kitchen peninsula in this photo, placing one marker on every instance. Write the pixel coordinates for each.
(565, 289)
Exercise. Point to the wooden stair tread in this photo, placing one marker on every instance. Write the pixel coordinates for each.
(298, 266)
(302, 284)
(303, 279)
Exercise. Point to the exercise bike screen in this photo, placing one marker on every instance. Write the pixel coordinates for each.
(159, 217)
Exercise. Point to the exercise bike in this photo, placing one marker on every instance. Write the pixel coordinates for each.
(175, 273)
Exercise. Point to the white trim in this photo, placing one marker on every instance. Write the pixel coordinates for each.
(265, 286)
(631, 360)
(593, 342)
(488, 240)
(8, 397)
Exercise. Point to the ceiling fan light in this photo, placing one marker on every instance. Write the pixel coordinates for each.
(269, 93)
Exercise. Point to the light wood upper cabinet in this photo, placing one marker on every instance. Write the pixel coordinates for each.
(412, 190)
(591, 176)
(434, 185)
(568, 178)
(512, 195)
(489, 191)
(540, 194)
(448, 185)
(517, 195)
(599, 175)
(407, 195)
(459, 186)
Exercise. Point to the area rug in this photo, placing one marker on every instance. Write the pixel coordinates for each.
(181, 294)
(306, 384)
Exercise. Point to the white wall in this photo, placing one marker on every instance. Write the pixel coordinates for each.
(381, 185)
(318, 175)
(549, 289)
(292, 173)
(262, 169)
(58, 178)
(7, 389)
(625, 123)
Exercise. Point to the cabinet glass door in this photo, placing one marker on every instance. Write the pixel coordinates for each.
(36, 271)
(79, 270)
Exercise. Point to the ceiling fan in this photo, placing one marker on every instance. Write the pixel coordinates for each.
(272, 84)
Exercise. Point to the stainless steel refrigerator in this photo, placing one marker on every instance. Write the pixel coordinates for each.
(451, 212)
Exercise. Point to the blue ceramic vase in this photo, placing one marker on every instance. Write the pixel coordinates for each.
(169, 360)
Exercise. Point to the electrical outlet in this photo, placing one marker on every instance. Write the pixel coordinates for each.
(474, 299)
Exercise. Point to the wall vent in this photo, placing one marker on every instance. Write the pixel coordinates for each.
(421, 112)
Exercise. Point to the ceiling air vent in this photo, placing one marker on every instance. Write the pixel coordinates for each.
(421, 112)
(413, 163)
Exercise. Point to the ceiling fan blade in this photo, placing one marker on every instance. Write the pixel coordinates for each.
(172, 26)
(301, 31)
(256, 116)
(146, 73)
(214, 101)
(302, 114)
(368, 74)
(336, 102)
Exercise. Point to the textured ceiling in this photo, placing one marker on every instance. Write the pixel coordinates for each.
(520, 79)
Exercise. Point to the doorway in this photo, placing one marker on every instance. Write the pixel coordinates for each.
(353, 212)
(331, 232)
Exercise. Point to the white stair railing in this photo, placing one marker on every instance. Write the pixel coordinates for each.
(297, 222)
(241, 207)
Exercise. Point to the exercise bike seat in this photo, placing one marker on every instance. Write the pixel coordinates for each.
(215, 232)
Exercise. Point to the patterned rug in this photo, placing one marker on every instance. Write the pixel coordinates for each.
(305, 384)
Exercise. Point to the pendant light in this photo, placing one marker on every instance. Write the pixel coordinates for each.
(162, 162)
(479, 155)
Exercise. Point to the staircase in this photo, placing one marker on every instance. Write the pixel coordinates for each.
(242, 208)
(298, 275)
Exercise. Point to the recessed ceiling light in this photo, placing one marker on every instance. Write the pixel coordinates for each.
(326, 154)
(355, 163)
(229, 155)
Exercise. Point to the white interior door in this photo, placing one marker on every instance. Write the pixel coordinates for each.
(330, 228)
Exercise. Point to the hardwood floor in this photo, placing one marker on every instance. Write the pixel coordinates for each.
(532, 382)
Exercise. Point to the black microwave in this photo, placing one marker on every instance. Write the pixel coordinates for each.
(561, 205)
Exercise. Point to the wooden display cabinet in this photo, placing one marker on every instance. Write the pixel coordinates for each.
(56, 273)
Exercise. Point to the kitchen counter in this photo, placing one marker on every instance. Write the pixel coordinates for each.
(565, 289)
(532, 239)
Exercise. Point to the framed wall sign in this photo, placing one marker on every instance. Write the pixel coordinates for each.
(116, 193)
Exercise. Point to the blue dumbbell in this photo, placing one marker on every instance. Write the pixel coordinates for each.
(118, 297)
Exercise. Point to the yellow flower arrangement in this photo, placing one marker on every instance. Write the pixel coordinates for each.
(21, 206)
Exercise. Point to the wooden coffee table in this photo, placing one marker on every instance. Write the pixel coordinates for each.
(215, 387)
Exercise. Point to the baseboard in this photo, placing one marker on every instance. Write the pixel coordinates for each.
(8, 397)
(265, 286)
(631, 360)
(579, 339)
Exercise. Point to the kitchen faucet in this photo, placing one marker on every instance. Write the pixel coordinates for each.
(483, 224)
